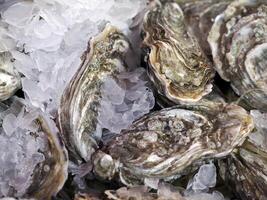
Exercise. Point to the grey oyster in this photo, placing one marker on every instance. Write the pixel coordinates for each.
(33, 160)
(165, 143)
(9, 77)
(176, 64)
(200, 15)
(80, 101)
(238, 40)
(245, 170)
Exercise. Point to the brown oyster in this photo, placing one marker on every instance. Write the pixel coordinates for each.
(9, 77)
(48, 174)
(238, 40)
(80, 101)
(165, 143)
(200, 15)
(176, 64)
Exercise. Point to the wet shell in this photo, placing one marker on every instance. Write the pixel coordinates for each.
(165, 143)
(176, 64)
(9, 77)
(79, 104)
(48, 176)
(238, 40)
(246, 172)
(200, 15)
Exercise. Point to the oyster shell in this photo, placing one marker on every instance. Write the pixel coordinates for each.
(164, 144)
(176, 64)
(9, 77)
(47, 168)
(200, 15)
(246, 169)
(238, 40)
(80, 101)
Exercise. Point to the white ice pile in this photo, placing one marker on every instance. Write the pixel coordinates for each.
(124, 100)
(47, 38)
(19, 149)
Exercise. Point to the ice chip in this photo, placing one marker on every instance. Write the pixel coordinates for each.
(10, 124)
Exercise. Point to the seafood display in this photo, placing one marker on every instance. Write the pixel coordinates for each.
(143, 113)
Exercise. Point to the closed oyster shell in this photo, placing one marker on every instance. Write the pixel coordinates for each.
(176, 64)
(164, 144)
(245, 171)
(49, 175)
(9, 77)
(238, 40)
(200, 15)
(80, 101)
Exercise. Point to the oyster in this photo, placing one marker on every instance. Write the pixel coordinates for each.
(246, 169)
(9, 77)
(200, 15)
(33, 160)
(238, 40)
(165, 143)
(80, 101)
(176, 64)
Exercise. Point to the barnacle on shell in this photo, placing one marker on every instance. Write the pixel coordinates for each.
(165, 143)
(238, 40)
(176, 64)
(81, 99)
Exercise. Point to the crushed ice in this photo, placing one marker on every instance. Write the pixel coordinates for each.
(124, 100)
(20, 149)
(260, 135)
(199, 187)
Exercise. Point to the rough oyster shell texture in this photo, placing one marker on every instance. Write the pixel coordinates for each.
(176, 64)
(238, 43)
(79, 104)
(164, 143)
(49, 175)
(246, 171)
(200, 16)
(9, 77)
